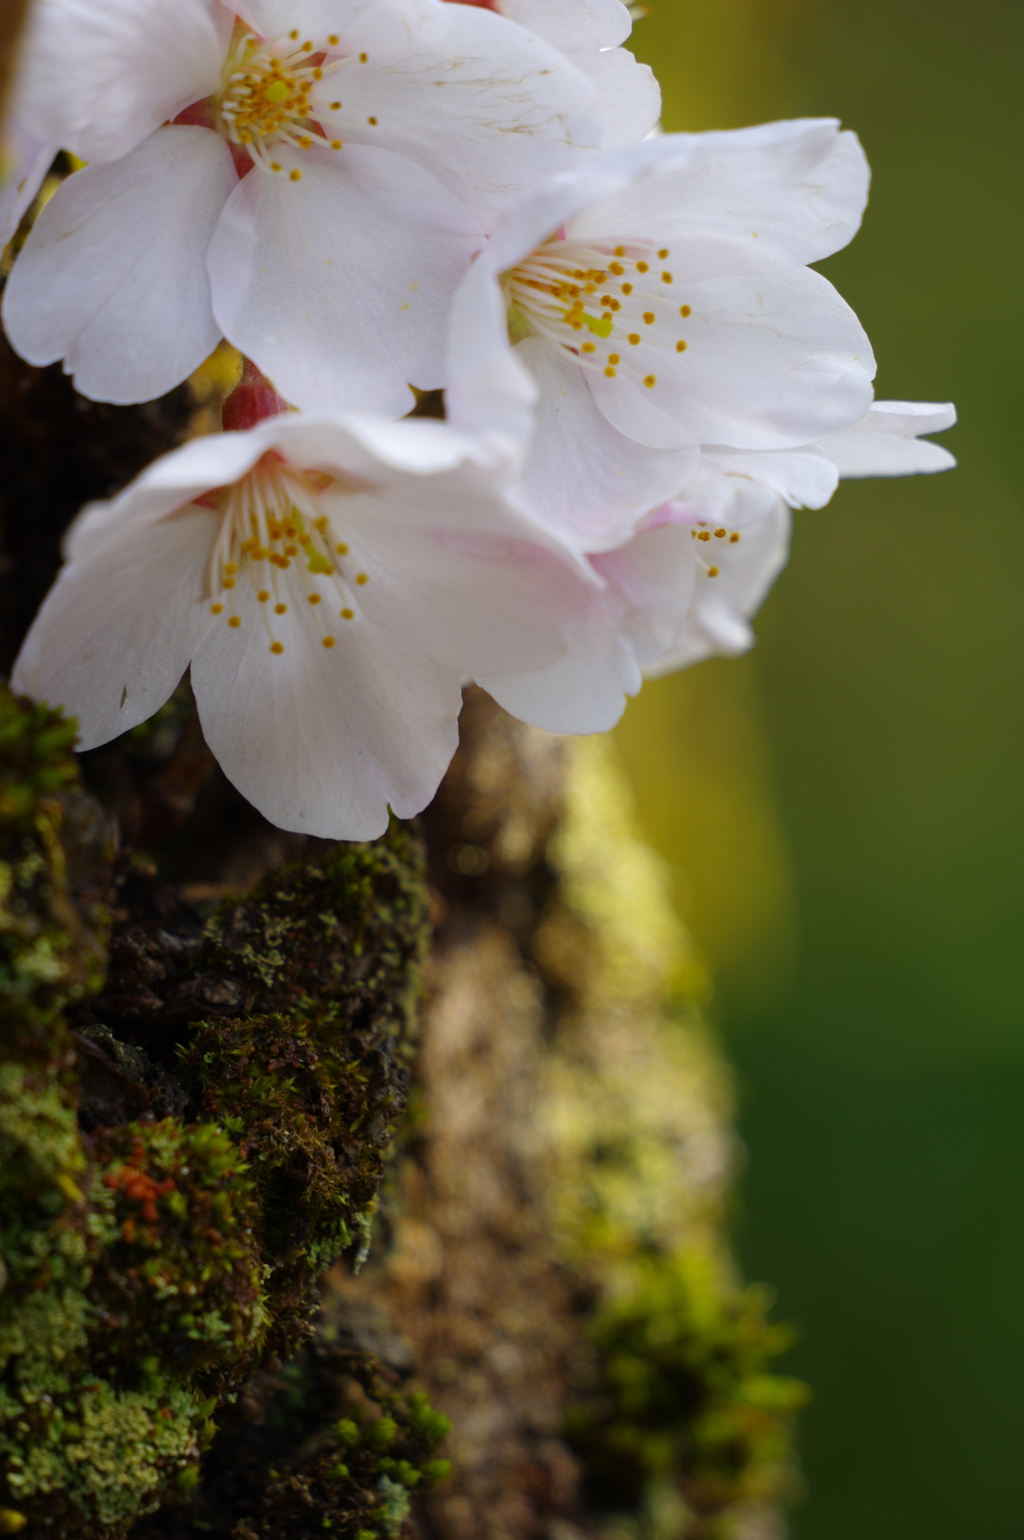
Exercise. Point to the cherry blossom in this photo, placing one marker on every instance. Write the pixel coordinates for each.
(660, 294)
(687, 582)
(330, 581)
(309, 178)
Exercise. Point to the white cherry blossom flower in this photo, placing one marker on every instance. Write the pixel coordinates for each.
(685, 586)
(310, 178)
(733, 570)
(330, 581)
(680, 589)
(752, 495)
(659, 298)
(589, 33)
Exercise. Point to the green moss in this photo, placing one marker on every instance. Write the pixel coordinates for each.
(296, 1095)
(52, 929)
(311, 1084)
(686, 1392)
(361, 1483)
(177, 1278)
(146, 1269)
(133, 1289)
(686, 1431)
(342, 939)
(41, 1165)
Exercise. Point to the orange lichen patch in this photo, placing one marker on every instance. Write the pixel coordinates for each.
(139, 1186)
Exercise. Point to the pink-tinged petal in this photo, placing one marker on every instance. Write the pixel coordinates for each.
(25, 159)
(766, 363)
(649, 584)
(628, 94)
(338, 285)
(731, 582)
(100, 75)
(458, 573)
(885, 442)
(717, 499)
(112, 277)
(485, 106)
(321, 739)
(116, 631)
(582, 476)
(584, 692)
(739, 202)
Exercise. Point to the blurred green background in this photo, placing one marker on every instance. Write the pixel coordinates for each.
(843, 807)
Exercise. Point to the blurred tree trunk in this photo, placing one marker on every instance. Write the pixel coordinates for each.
(12, 17)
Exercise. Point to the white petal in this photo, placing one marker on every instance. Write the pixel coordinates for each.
(718, 620)
(742, 201)
(101, 75)
(718, 497)
(629, 96)
(372, 449)
(553, 203)
(654, 577)
(588, 32)
(457, 572)
(582, 476)
(648, 594)
(486, 107)
(116, 631)
(25, 158)
(321, 741)
(805, 478)
(885, 442)
(169, 483)
(584, 692)
(339, 285)
(488, 387)
(770, 363)
(112, 277)
(572, 25)
(314, 18)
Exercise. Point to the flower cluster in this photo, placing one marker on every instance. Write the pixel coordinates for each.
(374, 199)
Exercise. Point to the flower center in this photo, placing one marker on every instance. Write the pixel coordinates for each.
(266, 100)
(611, 305)
(275, 536)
